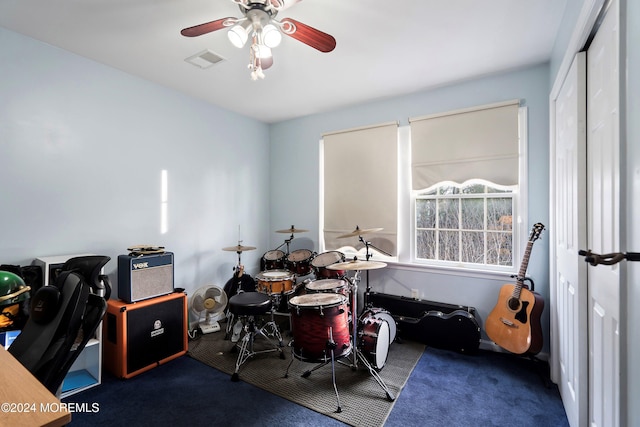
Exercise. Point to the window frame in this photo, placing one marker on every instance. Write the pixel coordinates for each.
(520, 218)
(406, 258)
(509, 192)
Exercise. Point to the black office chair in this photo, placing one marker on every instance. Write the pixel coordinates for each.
(62, 319)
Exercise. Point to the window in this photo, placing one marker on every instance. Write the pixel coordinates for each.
(449, 190)
(467, 177)
(468, 224)
(359, 188)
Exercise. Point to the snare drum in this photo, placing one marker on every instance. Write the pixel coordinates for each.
(276, 282)
(315, 318)
(299, 261)
(373, 340)
(272, 260)
(321, 261)
(381, 313)
(335, 286)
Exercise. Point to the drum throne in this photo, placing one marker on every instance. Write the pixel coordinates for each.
(250, 307)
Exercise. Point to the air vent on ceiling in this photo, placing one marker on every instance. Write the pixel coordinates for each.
(204, 59)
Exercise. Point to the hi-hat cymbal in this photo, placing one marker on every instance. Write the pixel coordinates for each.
(238, 248)
(358, 231)
(292, 230)
(357, 265)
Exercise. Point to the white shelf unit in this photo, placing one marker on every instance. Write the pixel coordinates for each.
(86, 371)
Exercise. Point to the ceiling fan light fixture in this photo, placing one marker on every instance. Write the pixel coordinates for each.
(271, 36)
(238, 36)
(262, 51)
(257, 74)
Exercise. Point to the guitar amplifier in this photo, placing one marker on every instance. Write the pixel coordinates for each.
(441, 325)
(144, 276)
(140, 336)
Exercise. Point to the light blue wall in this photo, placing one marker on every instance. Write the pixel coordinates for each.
(82, 147)
(295, 176)
(569, 19)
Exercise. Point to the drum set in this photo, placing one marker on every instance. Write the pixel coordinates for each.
(323, 310)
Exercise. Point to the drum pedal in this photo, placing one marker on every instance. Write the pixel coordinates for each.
(237, 328)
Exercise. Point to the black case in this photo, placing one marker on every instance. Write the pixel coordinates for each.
(441, 325)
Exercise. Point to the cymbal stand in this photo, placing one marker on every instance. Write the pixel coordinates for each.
(286, 242)
(357, 354)
(368, 255)
(238, 271)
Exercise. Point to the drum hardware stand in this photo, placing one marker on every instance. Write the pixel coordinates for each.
(246, 346)
(356, 352)
(367, 304)
(286, 242)
(238, 271)
(331, 344)
(293, 230)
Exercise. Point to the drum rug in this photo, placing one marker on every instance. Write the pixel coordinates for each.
(363, 401)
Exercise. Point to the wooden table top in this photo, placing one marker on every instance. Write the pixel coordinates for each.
(24, 401)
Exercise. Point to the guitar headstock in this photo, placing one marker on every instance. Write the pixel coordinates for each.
(536, 231)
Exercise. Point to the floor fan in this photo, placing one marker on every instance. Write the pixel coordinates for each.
(210, 302)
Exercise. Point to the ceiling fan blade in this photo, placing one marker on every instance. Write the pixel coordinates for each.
(308, 35)
(198, 30)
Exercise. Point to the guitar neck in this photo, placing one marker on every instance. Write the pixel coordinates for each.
(523, 270)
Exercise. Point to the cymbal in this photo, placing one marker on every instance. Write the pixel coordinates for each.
(358, 231)
(238, 248)
(357, 265)
(292, 230)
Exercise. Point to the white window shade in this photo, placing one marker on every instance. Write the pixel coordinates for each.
(361, 186)
(480, 143)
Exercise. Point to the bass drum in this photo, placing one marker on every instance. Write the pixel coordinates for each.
(373, 340)
(314, 318)
(381, 313)
(272, 260)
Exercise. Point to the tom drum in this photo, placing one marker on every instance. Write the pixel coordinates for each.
(321, 261)
(272, 260)
(299, 262)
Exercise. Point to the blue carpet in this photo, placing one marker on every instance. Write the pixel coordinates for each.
(488, 389)
(445, 388)
(185, 392)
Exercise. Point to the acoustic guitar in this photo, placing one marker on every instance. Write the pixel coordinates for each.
(514, 323)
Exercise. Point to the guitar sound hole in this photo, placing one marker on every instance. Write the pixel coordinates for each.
(514, 304)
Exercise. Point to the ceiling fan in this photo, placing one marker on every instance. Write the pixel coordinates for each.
(259, 24)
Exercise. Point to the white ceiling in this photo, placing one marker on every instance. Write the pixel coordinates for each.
(384, 47)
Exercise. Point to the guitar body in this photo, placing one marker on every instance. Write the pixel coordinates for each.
(514, 323)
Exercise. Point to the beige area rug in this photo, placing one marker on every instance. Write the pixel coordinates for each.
(363, 401)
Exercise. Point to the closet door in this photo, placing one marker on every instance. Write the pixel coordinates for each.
(570, 235)
(603, 212)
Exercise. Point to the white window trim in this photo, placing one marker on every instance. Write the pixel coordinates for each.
(406, 212)
(519, 228)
